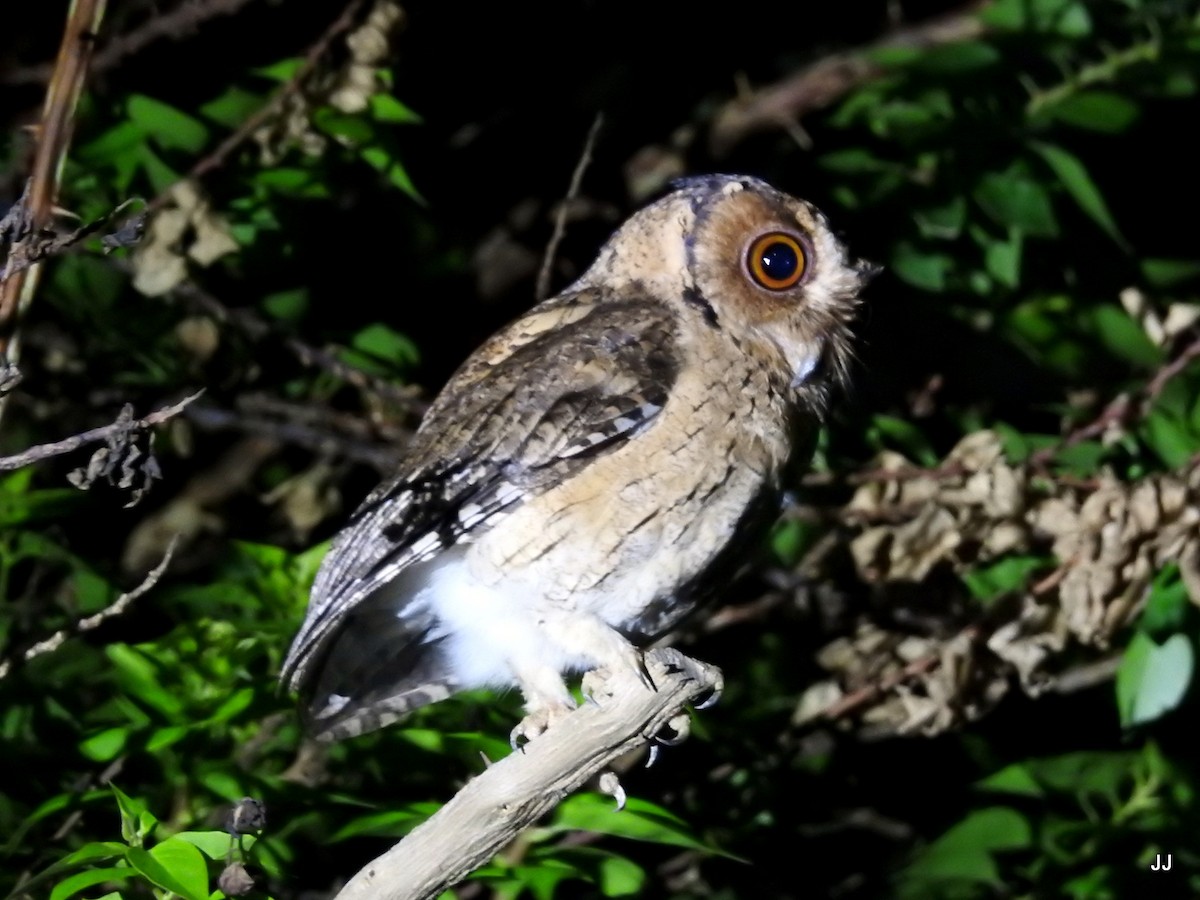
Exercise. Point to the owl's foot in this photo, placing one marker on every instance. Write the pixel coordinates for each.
(536, 723)
(546, 701)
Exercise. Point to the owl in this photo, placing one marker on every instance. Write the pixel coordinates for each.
(592, 471)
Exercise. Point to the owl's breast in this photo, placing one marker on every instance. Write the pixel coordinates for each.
(622, 538)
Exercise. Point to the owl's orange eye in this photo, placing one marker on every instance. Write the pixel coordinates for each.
(776, 261)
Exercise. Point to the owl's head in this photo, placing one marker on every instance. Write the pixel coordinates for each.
(757, 263)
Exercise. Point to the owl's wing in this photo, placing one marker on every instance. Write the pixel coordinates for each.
(570, 381)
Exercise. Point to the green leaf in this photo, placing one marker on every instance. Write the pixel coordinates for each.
(1153, 678)
(160, 175)
(105, 745)
(1167, 605)
(902, 435)
(943, 222)
(1015, 200)
(170, 128)
(1068, 18)
(1012, 779)
(387, 345)
(1171, 439)
(186, 866)
(639, 821)
(920, 268)
(234, 704)
(136, 821)
(166, 737)
(288, 306)
(138, 676)
(284, 70)
(1094, 110)
(1081, 458)
(392, 823)
(965, 850)
(1003, 577)
(97, 851)
(1084, 772)
(957, 58)
(81, 881)
(214, 844)
(379, 159)
(1123, 337)
(31, 507)
(232, 107)
(1003, 259)
(620, 877)
(386, 108)
(854, 160)
(350, 129)
(1165, 273)
(1075, 178)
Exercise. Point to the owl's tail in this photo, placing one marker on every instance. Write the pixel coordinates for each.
(377, 668)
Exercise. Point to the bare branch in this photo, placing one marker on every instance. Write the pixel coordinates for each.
(28, 246)
(512, 794)
(183, 21)
(94, 435)
(1124, 407)
(312, 57)
(560, 220)
(324, 441)
(813, 87)
(116, 608)
(53, 138)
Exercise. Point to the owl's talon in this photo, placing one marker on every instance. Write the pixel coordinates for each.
(644, 675)
(652, 756)
(711, 700)
(611, 785)
(681, 725)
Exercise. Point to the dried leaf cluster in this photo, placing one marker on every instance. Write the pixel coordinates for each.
(1103, 541)
(186, 229)
(126, 461)
(347, 88)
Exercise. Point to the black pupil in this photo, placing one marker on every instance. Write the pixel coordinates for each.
(779, 261)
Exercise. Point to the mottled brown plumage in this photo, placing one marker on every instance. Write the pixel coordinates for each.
(588, 468)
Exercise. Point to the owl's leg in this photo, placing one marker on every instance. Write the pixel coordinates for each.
(546, 700)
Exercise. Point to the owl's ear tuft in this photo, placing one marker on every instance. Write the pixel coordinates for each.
(866, 270)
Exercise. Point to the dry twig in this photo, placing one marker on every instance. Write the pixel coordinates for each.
(53, 138)
(27, 246)
(92, 622)
(92, 436)
(180, 22)
(818, 85)
(560, 220)
(312, 57)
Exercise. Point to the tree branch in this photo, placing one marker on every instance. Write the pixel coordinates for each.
(827, 80)
(542, 290)
(53, 138)
(312, 57)
(94, 435)
(182, 21)
(511, 795)
(116, 608)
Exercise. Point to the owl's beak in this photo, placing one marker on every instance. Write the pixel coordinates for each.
(807, 365)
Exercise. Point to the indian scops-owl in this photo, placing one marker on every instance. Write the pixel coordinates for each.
(591, 467)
